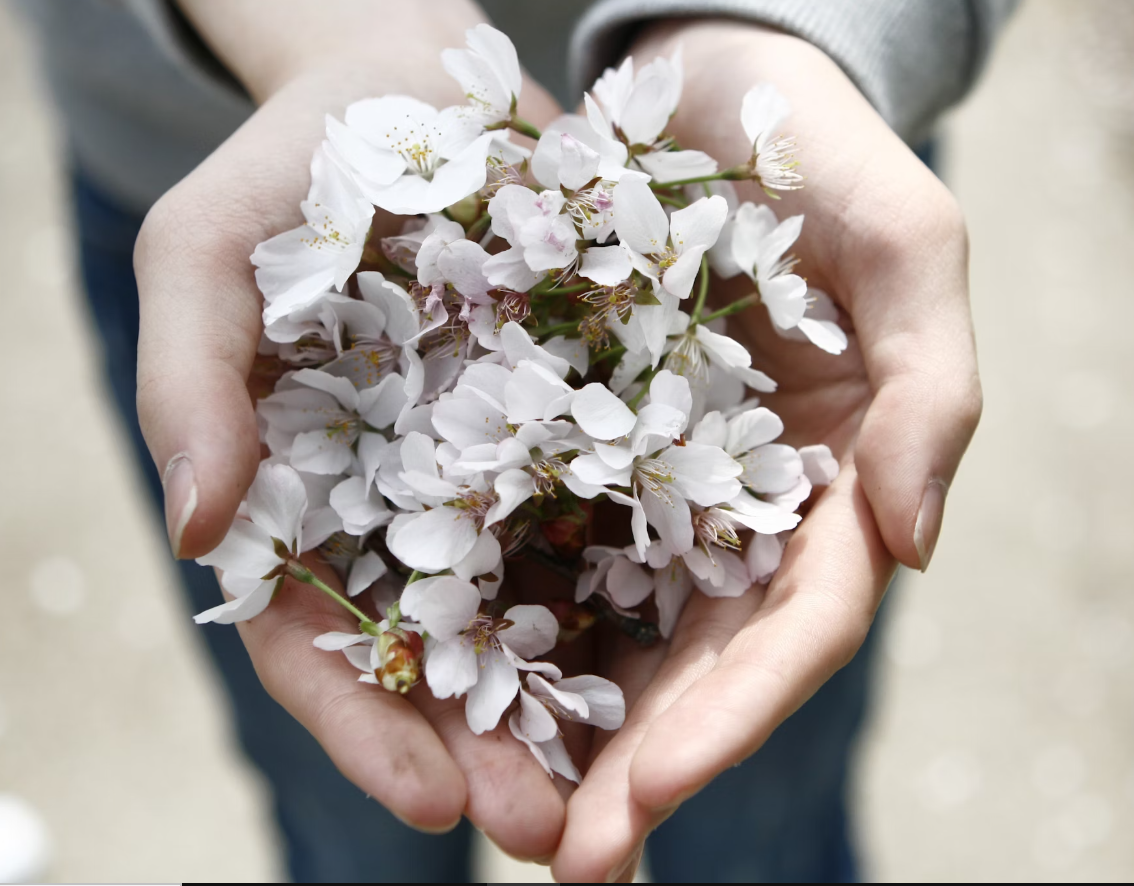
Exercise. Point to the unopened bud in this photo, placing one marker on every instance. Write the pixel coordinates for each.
(400, 653)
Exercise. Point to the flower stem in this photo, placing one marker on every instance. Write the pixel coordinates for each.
(301, 573)
(734, 173)
(672, 201)
(523, 127)
(415, 576)
(735, 308)
(565, 326)
(702, 292)
(637, 398)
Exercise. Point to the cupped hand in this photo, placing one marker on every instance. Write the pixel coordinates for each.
(885, 239)
(200, 326)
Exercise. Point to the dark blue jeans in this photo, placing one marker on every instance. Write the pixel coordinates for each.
(780, 816)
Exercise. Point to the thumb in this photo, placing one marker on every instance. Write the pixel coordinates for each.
(911, 312)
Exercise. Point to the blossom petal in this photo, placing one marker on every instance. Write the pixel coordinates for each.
(533, 632)
(240, 609)
(536, 721)
(772, 468)
(451, 668)
(763, 557)
(605, 702)
(763, 109)
(433, 540)
(496, 685)
(606, 265)
(647, 110)
(336, 641)
(442, 604)
(669, 514)
(246, 550)
(672, 587)
(752, 429)
(600, 413)
(639, 219)
(824, 334)
(484, 557)
(513, 487)
(320, 452)
(628, 583)
(699, 224)
(366, 570)
(277, 501)
(820, 466)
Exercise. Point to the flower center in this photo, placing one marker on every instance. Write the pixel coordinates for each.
(654, 475)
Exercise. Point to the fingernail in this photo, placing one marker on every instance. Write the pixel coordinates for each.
(928, 524)
(432, 831)
(180, 485)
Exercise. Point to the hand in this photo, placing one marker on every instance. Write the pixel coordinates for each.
(886, 240)
(200, 312)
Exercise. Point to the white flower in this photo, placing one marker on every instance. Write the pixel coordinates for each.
(296, 268)
(474, 653)
(773, 159)
(585, 699)
(488, 71)
(276, 507)
(315, 418)
(639, 107)
(402, 248)
(819, 324)
(759, 248)
(408, 157)
(667, 250)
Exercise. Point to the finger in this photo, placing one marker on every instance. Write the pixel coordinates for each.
(377, 739)
(815, 616)
(510, 797)
(909, 300)
(200, 315)
(605, 825)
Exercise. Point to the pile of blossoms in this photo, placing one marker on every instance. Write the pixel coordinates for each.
(535, 340)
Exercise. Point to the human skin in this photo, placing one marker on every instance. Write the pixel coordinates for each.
(882, 236)
(887, 241)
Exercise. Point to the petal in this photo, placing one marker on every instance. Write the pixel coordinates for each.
(469, 421)
(723, 349)
(647, 110)
(508, 270)
(569, 704)
(240, 609)
(484, 557)
(729, 577)
(772, 468)
(825, 334)
(366, 570)
(573, 350)
(601, 414)
(605, 702)
(678, 278)
(606, 265)
(518, 732)
(712, 430)
(536, 721)
(321, 452)
(672, 586)
(628, 583)
(451, 668)
(751, 429)
(433, 540)
(639, 219)
(578, 164)
(669, 514)
(763, 110)
(671, 166)
(277, 501)
(247, 550)
(698, 224)
(819, 464)
(785, 298)
(336, 641)
(339, 388)
(703, 474)
(496, 685)
(360, 506)
(763, 557)
(533, 632)
(513, 487)
(761, 516)
(442, 604)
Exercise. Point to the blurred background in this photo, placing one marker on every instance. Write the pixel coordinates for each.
(1002, 738)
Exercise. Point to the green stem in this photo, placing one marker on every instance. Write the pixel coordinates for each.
(549, 286)
(716, 176)
(565, 326)
(735, 308)
(702, 292)
(616, 351)
(672, 201)
(414, 576)
(478, 228)
(523, 127)
(301, 573)
(637, 398)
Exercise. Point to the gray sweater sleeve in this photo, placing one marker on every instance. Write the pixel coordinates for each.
(912, 59)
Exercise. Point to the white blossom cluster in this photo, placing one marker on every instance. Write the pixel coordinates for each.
(535, 339)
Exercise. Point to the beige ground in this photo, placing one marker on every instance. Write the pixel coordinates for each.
(1003, 745)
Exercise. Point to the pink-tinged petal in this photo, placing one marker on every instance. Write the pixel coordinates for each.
(763, 557)
(320, 452)
(433, 540)
(820, 466)
(247, 550)
(672, 586)
(601, 414)
(751, 429)
(443, 605)
(513, 487)
(484, 558)
(277, 501)
(451, 668)
(763, 110)
(605, 702)
(536, 721)
(533, 632)
(606, 265)
(639, 219)
(669, 514)
(366, 570)
(628, 583)
(240, 609)
(824, 334)
(772, 468)
(495, 688)
(336, 641)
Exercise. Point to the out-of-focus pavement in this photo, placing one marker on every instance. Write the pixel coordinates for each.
(1002, 745)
